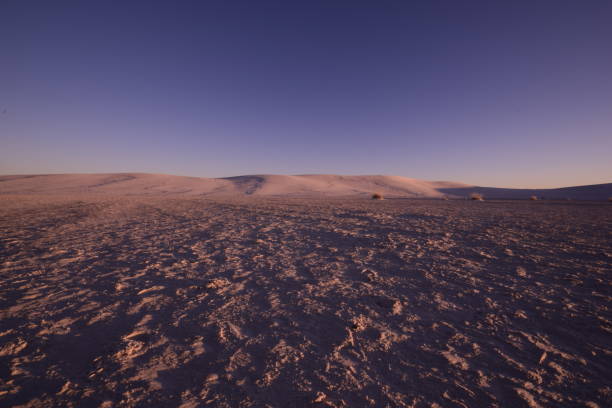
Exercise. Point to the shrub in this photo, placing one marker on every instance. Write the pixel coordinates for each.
(377, 196)
(533, 198)
(476, 197)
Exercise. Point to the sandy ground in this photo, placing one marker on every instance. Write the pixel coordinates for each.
(187, 302)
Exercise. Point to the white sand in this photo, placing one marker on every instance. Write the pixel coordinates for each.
(264, 185)
(178, 301)
(279, 186)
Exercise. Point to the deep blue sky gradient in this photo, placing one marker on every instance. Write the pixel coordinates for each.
(513, 94)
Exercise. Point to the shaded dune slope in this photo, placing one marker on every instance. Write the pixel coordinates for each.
(591, 192)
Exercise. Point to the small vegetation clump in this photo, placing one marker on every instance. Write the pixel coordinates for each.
(377, 196)
(476, 197)
(533, 198)
(610, 199)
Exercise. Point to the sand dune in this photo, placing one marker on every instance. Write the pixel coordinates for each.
(335, 185)
(277, 185)
(263, 185)
(120, 183)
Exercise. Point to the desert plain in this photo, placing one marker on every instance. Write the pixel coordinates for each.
(188, 301)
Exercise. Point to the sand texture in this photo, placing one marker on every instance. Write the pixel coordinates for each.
(164, 301)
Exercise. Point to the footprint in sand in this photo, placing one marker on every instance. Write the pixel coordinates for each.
(151, 289)
(13, 348)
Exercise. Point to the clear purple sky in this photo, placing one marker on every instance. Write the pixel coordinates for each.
(512, 93)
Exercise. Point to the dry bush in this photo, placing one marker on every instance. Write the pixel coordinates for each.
(610, 199)
(377, 196)
(533, 198)
(476, 197)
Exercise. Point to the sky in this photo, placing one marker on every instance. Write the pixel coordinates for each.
(493, 93)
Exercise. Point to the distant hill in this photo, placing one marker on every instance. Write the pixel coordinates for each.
(279, 186)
